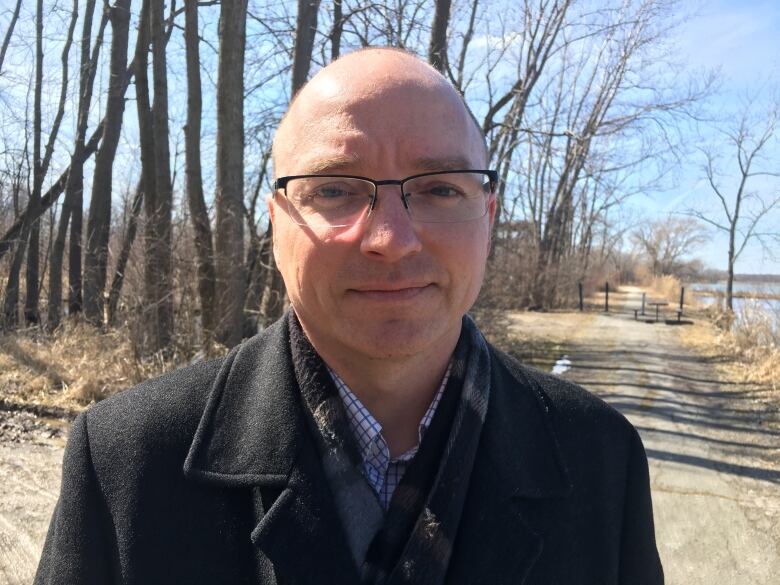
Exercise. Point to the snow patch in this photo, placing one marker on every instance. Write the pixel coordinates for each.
(562, 365)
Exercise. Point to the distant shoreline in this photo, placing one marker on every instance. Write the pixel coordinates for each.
(742, 294)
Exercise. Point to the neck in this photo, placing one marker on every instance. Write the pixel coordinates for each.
(396, 391)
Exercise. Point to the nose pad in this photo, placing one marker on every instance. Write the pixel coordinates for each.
(389, 230)
(375, 201)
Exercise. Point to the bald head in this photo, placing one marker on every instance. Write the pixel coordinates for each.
(373, 85)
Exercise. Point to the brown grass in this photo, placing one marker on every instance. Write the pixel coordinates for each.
(73, 367)
(748, 349)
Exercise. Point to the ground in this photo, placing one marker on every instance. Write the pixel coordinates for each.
(712, 444)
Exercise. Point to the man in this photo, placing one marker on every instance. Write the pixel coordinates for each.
(371, 435)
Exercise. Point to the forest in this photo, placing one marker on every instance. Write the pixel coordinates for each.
(135, 146)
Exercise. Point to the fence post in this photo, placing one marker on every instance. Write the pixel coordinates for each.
(682, 297)
(579, 286)
(606, 299)
(643, 303)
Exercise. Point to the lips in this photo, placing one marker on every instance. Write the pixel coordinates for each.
(391, 292)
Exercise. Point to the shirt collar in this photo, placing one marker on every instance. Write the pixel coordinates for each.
(368, 431)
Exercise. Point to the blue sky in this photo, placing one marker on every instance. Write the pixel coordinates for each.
(741, 40)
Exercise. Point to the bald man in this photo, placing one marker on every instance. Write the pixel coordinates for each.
(371, 435)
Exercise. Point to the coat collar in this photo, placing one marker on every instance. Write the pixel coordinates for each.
(252, 427)
(253, 433)
(518, 461)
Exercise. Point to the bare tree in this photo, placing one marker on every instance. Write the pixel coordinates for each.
(198, 212)
(72, 206)
(159, 295)
(743, 207)
(666, 241)
(96, 258)
(230, 172)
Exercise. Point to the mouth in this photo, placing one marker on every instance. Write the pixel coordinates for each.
(391, 293)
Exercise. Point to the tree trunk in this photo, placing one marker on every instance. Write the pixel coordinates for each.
(230, 172)
(198, 212)
(76, 175)
(99, 221)
(161, 291)
(305, 29)
(338, 29)
(437, 49)
(33, 257)
(11, 298)
(148, 171)
(730, 275)
(121, 263)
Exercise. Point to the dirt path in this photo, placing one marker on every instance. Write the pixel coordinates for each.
(30, 460)
(713, 447)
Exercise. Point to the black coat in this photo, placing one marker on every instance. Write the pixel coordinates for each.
(209, 475)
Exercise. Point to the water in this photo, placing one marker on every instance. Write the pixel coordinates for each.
(744, 305)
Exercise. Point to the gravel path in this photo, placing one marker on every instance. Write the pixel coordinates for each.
(713, 447)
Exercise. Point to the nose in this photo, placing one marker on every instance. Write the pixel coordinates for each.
(389, 232)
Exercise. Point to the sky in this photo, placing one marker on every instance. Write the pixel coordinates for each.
(739, 40)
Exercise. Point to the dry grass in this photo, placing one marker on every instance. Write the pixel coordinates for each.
(748, 350)
(73, 367)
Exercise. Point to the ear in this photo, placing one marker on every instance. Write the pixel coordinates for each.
(271, 202)
(492, 206)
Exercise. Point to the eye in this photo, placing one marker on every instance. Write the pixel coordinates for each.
(440, 190)
(332, 191)
(444, 191)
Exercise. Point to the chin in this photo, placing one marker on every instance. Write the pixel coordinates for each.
(398, 338)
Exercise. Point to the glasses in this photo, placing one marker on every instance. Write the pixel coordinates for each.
(346, 200)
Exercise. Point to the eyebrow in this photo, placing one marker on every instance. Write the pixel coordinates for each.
(333, 164)
(443, 164)
(348, 162)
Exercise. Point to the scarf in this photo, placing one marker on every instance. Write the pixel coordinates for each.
(412, 542)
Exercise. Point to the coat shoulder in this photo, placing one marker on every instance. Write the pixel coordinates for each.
(160, 410)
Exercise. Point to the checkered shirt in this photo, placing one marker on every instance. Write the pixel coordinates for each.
(383, 473)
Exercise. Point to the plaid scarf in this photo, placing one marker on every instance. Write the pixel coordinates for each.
(412, 542)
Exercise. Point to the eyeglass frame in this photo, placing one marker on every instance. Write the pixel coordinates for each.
(281, 184)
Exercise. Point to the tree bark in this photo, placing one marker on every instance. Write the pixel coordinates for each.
(159, 291)
(305, 29)
(198, 212)
(98, 223)
(230, 172)
(338, 29)
(55, 268)
(437, 50)
(148, 169)
(121, 263)
(33, 258)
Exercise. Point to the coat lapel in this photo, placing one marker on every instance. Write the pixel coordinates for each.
(517, 462)
(253, 435)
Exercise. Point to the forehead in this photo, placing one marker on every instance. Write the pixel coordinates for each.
(393, 125)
